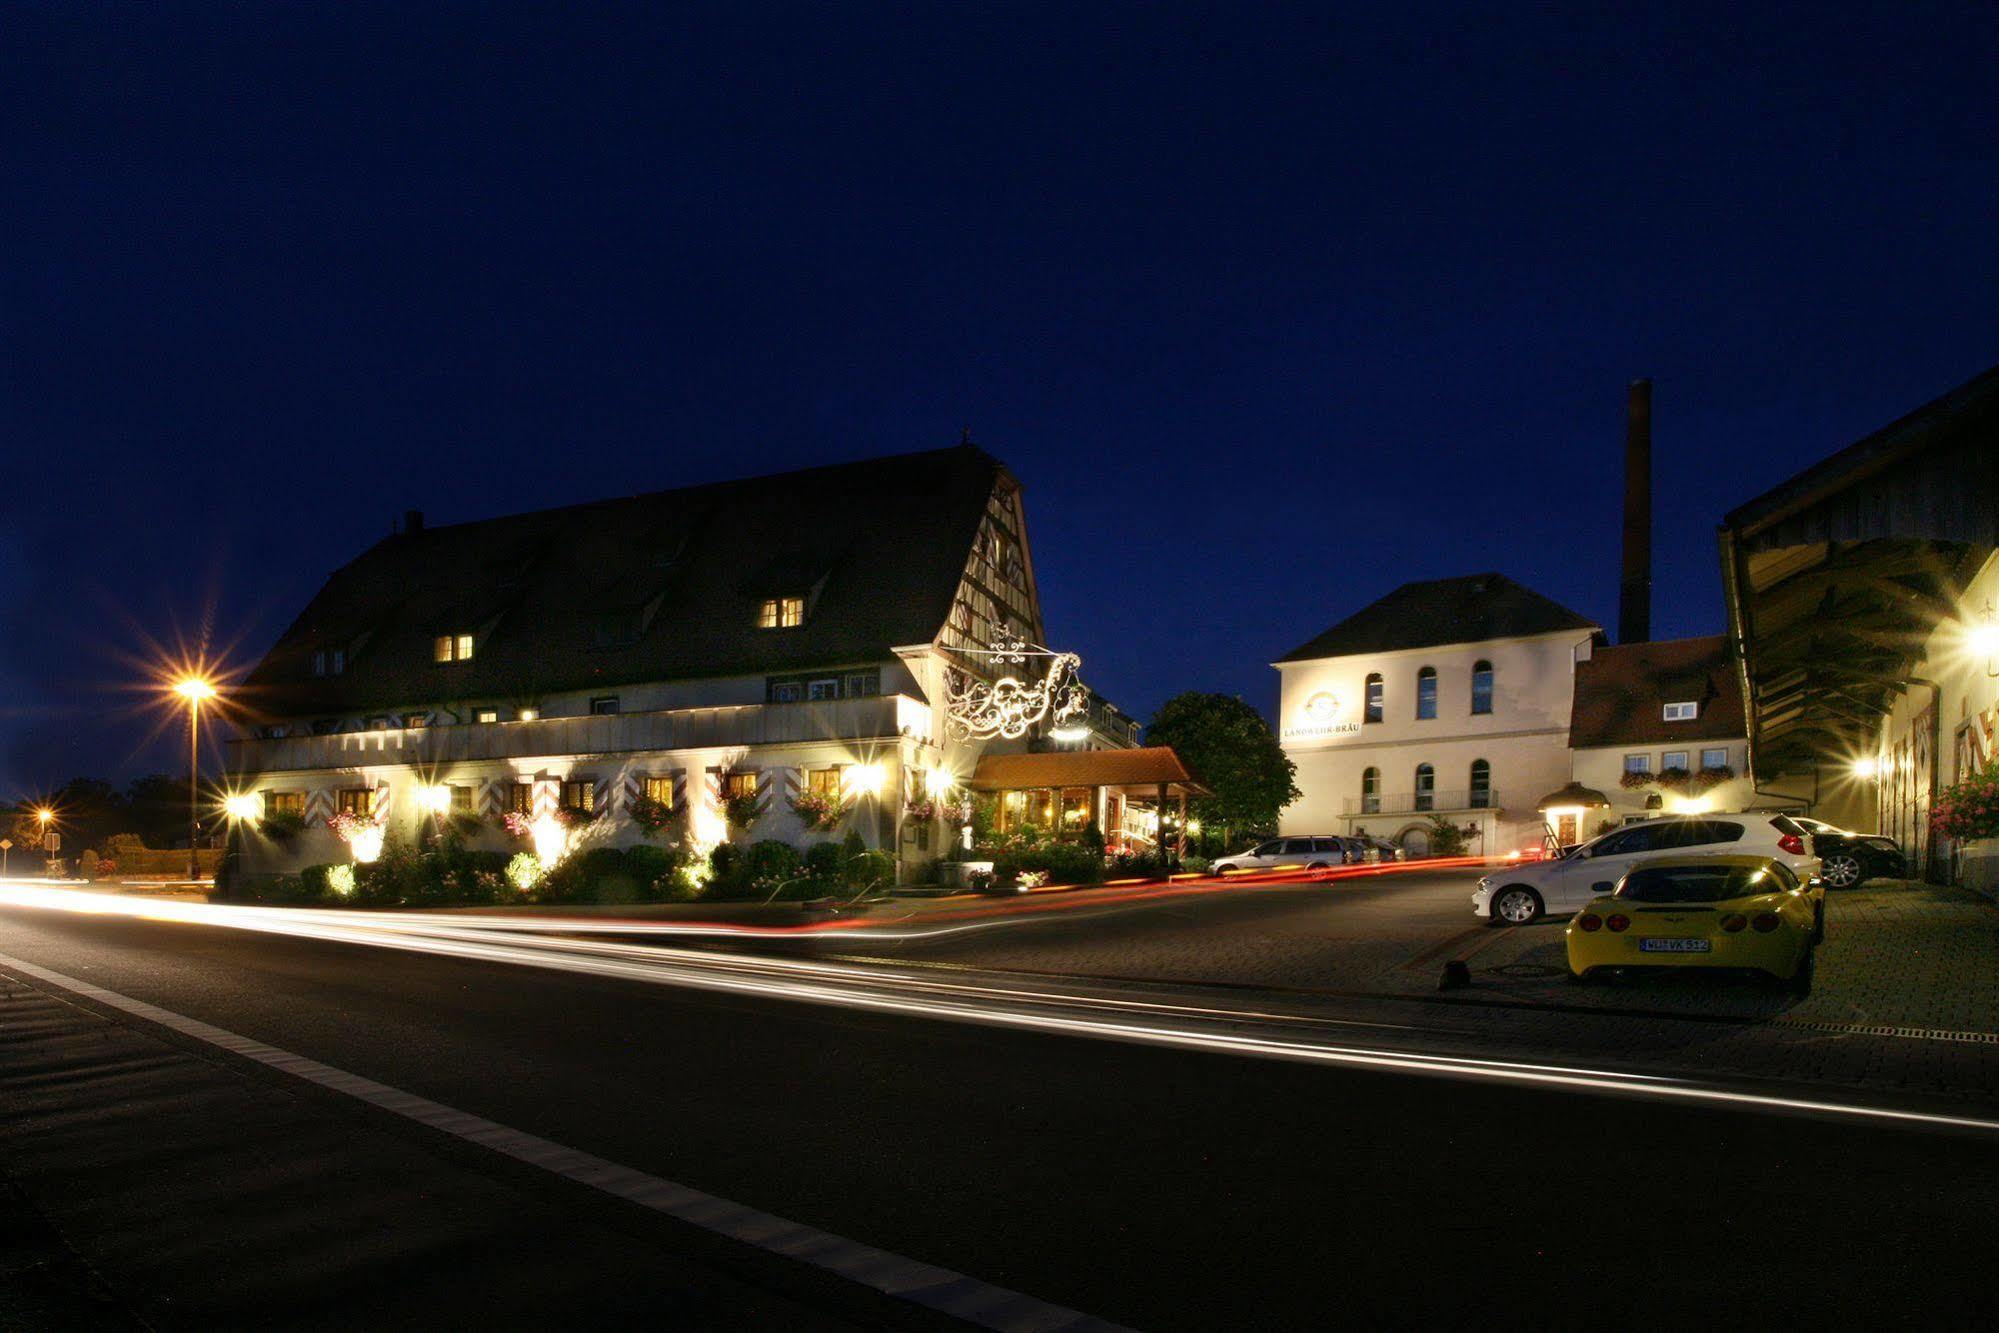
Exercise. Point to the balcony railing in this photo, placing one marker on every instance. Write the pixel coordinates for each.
(1422, 803)
(877, 718)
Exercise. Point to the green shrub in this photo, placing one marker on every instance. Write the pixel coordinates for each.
(317, 881)
(822, 860)
(870, 870)
(655, 870)
(1061, 862)
(280, 891)
(851, 846)
(1132, 865)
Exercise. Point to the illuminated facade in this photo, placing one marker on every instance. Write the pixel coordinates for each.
(1863, 594)
(1657, 728)
(1445, 699)
(662, 660)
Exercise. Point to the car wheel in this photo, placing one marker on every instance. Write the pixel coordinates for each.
(1316, 865)
(1801, 980)
(1841, 870)
(1516, 905)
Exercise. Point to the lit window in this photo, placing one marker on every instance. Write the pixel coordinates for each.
(659, 790)
(1426, 786)
(735, 785)
(828, 688)
(1372, 711)
(1682, 712)
(453, 648)
(520, 798)
(1370, 791)
(1481, 785)
(604, 705)
(1717, 758)
(355, 801)
(781, 612)
(488, 715)
(1481, 687)
(417, 720)
(1426, 693)
(580, 794)
(461, 799)
(1673, 759)
(1638, 763)
(827, 782)
(283, 803)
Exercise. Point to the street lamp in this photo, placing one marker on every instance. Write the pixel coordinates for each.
(196, 691)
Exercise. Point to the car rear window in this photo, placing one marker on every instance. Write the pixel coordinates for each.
(1788, 826)
(1704, 884)
(1702, 832)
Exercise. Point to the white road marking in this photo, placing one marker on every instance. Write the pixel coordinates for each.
(942, 1289)
(969, 1002)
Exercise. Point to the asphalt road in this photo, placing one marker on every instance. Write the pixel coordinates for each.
(1159, 1188)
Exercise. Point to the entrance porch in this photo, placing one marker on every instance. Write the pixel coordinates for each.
(1137, 799)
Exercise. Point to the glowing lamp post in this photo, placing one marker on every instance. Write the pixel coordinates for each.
(196, 691)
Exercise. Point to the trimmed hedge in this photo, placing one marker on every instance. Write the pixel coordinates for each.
(453, 875)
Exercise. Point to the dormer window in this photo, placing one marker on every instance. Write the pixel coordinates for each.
(781, 613)
(1685, 711)
(329, 662)
(453, 648)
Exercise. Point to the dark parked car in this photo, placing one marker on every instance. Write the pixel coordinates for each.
(1850, 858)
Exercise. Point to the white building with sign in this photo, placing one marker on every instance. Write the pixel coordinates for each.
(1449, 698)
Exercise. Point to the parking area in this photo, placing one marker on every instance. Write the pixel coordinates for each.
(1906, 995)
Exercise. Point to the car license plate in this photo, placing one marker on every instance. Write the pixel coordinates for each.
(1674, 946)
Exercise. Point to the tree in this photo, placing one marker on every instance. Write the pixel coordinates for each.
(156, 809)
(1232, 750)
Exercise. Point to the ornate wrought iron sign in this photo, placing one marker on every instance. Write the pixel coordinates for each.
(1008, 708)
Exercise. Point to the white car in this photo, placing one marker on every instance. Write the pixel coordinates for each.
(1532, 889)
(1314, 853)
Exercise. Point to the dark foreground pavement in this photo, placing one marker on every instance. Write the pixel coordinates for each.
(1158, 1188)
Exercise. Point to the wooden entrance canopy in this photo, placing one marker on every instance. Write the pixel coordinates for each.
(1835, 579)
(1143, 770)
(1103, 783)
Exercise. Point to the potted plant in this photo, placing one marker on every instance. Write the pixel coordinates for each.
(282, 826)
(653, 817)
(1635, 779)
(818, 812)
(1711, 777)
(745, 807)
(1969, 809)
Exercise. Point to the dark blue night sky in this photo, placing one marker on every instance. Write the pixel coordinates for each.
(1271, 308)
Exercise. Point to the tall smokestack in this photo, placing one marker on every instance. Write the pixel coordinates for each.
(1634, 600)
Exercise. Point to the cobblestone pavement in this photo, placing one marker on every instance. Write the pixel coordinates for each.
(1906, 997)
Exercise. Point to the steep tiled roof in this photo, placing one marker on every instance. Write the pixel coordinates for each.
(650, 587)
(1621, 694)
(1471, 609)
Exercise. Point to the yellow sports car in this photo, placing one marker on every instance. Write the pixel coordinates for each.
(1703, 911)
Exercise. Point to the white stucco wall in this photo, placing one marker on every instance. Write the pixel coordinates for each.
(1602, 768)
(1524, 738)
(1968, 714)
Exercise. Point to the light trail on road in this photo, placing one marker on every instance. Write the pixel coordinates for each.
(1050, 1009)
